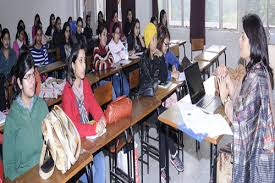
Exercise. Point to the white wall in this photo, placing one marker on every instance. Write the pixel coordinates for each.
(11, 11)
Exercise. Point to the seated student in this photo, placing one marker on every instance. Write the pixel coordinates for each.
(154, 20)
(57, 35)
(26, 37)
(79, 37)
(23, 136)
(115, 20)
(134, 39)
(78, 102)
(170, 58)
(50, 29)
(103, 58)
(129, 22)
(35, 25)
(88, 33)
(162, 18)
(7, 54)
(19, 41)
(100, 21)
(39, 51)
(118, 51)
(67, 42)
(150, 64)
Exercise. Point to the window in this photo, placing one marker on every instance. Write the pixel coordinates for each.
(218, 13)
(265, 9)
(178, 12)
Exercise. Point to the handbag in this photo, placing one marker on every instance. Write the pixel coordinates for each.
(61, 140)
(120, 108)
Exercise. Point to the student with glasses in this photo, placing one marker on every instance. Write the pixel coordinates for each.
(23, 136)
(163, 45)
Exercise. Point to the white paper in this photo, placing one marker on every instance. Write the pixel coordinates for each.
(181, 77)
(93, 137)
(200, 122)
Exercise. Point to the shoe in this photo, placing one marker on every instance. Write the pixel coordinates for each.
(177, 163)
(163, 176)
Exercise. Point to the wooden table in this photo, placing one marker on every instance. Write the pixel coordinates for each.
(51, 67)
(206, 56)
(172, 117)
(218, 49)
(33, 174)
(178, 42)
(163, 93)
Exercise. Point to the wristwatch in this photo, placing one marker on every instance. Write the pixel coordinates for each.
(226, 99)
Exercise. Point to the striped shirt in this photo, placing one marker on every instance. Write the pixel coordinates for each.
(103, 58)
(254, 130)
(40, 56)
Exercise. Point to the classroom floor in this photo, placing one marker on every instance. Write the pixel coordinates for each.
(196, 165)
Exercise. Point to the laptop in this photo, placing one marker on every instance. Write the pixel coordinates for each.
(208, 103)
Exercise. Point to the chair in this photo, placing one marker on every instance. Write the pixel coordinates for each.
(196, 45)
(134, 82)
(103, 93)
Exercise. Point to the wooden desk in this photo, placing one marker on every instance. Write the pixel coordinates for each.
(107, 73)
(57, 177)
(92, 78)
(51, 67)
(206, 56)
(163, 93)
(172, 117)
(218, 49)
(177, 42)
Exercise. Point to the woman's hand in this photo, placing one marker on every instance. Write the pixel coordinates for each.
(224, 92)
(158, 53)
(222, 71)
(100, 126)
(175, 74)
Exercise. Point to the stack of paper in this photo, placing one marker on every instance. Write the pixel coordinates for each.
(93, 137)
(201, 123)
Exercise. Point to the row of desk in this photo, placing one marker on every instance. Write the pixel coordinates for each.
(142, 107)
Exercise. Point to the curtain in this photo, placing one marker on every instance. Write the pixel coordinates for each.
(197, 19)
(155, 9)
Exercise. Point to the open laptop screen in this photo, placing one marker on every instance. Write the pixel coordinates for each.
(194, 82)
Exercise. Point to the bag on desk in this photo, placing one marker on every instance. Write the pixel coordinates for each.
(120, 108)
(61, 140)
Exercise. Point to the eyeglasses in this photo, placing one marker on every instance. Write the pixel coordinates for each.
(29, 76)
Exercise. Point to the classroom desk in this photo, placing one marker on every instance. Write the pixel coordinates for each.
(178, 42)
(172, 117)
(33, 174)
(51, 67)
(163, 93)
(218, 49)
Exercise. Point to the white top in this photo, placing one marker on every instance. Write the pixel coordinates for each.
(117, 50)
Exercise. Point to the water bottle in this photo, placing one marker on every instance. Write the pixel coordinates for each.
(126, 51)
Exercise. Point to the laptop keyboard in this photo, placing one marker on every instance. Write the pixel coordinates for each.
(207, 99)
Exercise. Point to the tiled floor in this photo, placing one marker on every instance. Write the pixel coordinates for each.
(196, 164)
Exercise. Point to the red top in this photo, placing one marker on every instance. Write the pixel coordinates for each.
(70, 107)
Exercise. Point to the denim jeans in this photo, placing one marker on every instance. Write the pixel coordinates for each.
(121, 90)
(98, 169)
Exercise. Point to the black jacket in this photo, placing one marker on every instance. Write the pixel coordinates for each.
(132, 44)
(151, 71)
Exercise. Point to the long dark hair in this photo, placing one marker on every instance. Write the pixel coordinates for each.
(36, 16)
(24, 64)
(163, 33)
(19, 30)
(161, 15)
(56, 21)
(136, 21)
(66, 24)
(254, 29)
(19, 24)
(50, 23)
(70, 76)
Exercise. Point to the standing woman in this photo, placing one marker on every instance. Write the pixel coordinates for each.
(134, 39)
(249, 107)
(78, 102)
(23, 135)
(163, 18)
